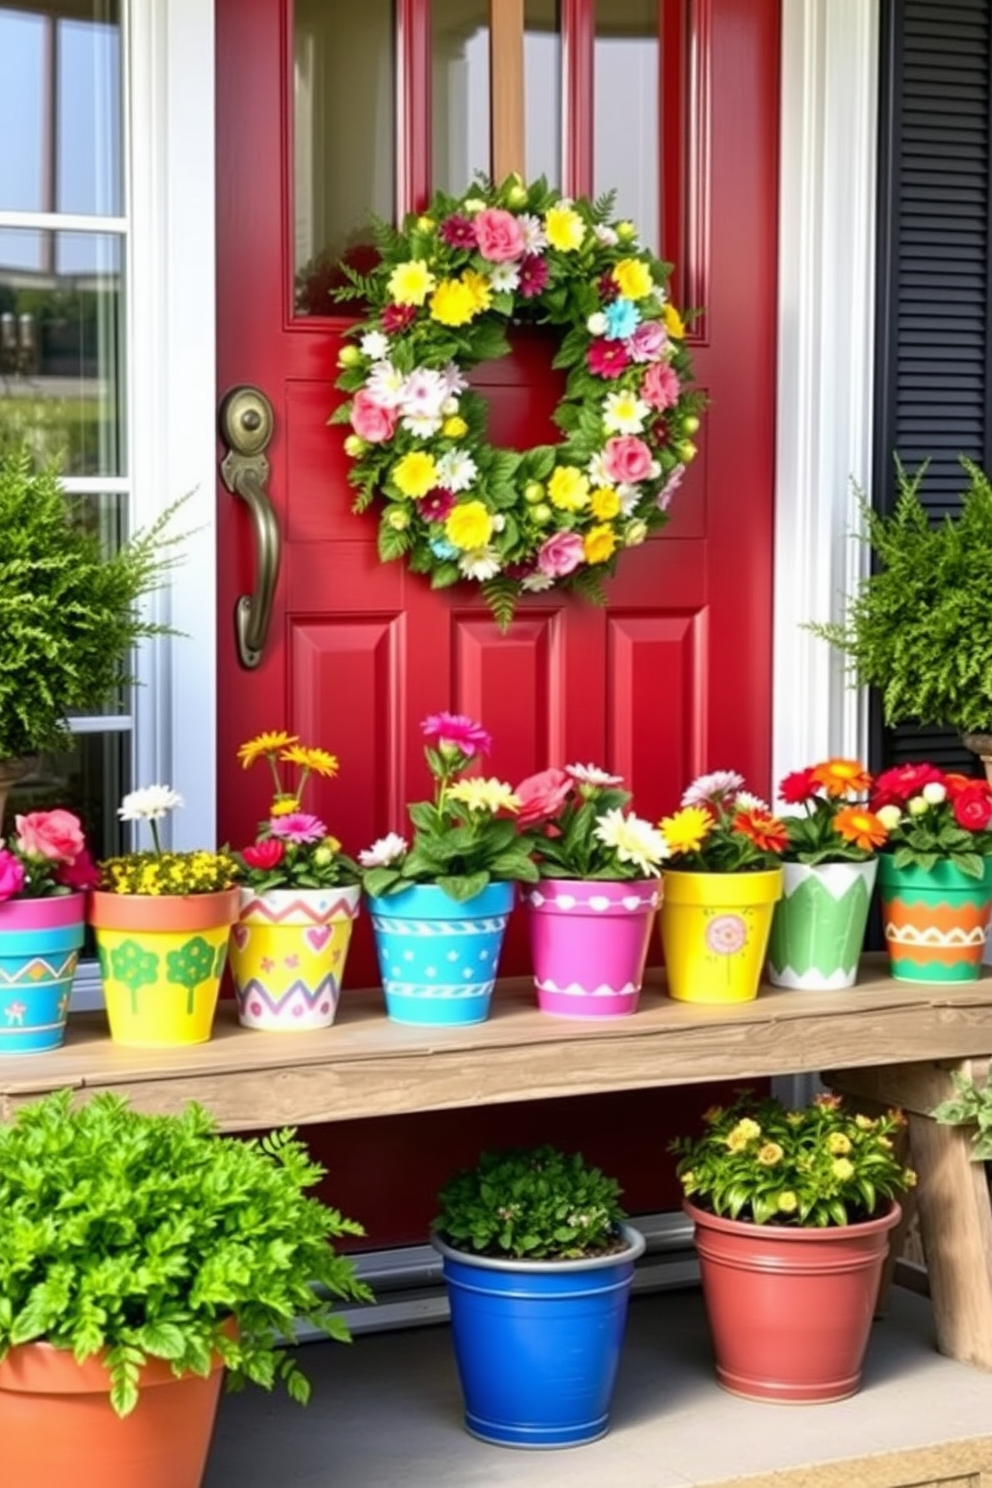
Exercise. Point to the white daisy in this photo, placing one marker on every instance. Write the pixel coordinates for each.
(592, 775)
(629, 497)
(375, 345)
(424, 392)
(384, 851)
(633, 839)
(504, 278)
(596, 470)
(605, 235)
(421, 425)
(624, 412)
(152, 803)
(455, 380)
(479, 563)
(748, 801)
(456, 471)
(386, 384)
(536, 582)
(535, 238)
(721, 785)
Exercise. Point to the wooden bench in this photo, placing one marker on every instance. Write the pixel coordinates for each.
(881, 1041)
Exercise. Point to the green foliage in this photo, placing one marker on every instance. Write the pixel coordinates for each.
(812, 1167)
(971, 1105)
(69, 613)
(149, 1236)
(531, 1203)
(920, 628)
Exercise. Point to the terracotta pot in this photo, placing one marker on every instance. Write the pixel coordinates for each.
(57, 1425)
(790, 1310)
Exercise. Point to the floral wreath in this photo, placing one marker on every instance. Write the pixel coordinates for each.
(439, 301)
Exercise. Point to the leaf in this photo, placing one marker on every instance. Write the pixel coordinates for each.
(392, 544)
(464, 886)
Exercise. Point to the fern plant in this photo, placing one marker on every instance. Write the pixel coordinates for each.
(920, 628)
(69, 612)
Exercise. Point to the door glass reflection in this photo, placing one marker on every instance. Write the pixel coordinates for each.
(625, 134)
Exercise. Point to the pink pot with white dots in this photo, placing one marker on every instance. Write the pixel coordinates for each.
(288, 953)
(589, 941)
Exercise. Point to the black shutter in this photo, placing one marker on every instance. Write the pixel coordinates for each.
(933, 380)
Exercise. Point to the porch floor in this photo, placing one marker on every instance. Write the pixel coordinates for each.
(385, 1413)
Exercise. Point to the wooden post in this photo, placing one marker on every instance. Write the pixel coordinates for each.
(506, 25)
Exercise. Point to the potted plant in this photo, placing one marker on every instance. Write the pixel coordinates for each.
(439, 905)
(591, 915)
(919, 627)
(162, 922)
(69, 616)
(139, 1256)
(538, 1264)
(792, 1212)
(45, 868)
(830, 863)
(299, 898)
(935, 874)
(722, 880)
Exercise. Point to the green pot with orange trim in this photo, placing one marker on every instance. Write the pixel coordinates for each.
(935, 920)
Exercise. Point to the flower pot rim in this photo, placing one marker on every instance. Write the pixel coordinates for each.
(194, 911)
(886, 1216)
(634, 1246)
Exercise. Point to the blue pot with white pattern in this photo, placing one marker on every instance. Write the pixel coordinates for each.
(438, 956)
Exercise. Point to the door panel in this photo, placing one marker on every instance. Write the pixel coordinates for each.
(670, 678)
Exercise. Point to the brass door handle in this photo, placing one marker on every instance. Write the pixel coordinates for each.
(246, 427)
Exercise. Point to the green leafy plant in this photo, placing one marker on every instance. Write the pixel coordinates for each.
(534, 1203)
(69, 612)
(970, 1105)
(150, 1236)
(920, 627)
(466, 837)
(815, 1166)
(577, 825)
(932, 816)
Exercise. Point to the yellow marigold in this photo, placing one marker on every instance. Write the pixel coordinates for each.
(284, 806)
(674, 324)
(568, 488)
(770, 1154)
(453, 303)
(454, 427)
(415, 474)
(469, 526)
(317, 760)
(633, 278)
(787, 1202)
(838, 1145)
(599, 544)
(479, 288)
(750, 1128)
(268, 743)
(688, 829)
(410, 283)
(564, 227)
(484, 795)
(736, 1141)
(604, 503)
(842, 1168)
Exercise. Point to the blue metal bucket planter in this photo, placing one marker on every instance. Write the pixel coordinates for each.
(39, 949)
(537, 1343)
(437, 955)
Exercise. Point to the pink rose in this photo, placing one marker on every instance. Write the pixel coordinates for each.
(627, 459)
(661, 387)
(80, 874)
(542, 796)
(560, 554)
(648, 341)
(266, 854)
(370, 420)
(498, 234)
(11, 875)
(55, 835)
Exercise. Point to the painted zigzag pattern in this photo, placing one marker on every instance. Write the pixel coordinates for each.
(908, 935)
(40, 970)
(311, 996)
(426, 929)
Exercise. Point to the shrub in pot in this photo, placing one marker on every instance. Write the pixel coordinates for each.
(139, 1255)
(792, 1210)
(538, 1264)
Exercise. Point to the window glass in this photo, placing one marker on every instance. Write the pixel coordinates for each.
(627, 58)
(542, 90)
(461, 139)
(344, 139)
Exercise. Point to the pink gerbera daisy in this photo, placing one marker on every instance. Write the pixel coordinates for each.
(299, 827)
(608, 358)
(457, 731)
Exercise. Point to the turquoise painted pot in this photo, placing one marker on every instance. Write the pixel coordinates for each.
(935, 920)
(39, 949)
(438, 956)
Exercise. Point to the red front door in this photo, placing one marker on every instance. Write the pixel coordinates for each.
(673, 677)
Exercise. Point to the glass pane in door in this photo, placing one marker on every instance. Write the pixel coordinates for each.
(542, 90)
(344, 139)
(627, 59)
(461, 134)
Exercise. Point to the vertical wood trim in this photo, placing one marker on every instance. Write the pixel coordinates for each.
(672, 88)
(506, 63)
(578, 35)
(413, 107)
(698, 168)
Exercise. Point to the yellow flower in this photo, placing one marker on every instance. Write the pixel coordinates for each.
(842, 1168)
(484, 795)
(415, 474)
(599, 544)
(410, 283)
(317, 760)
(863, 1122)
(688, 829)
(284, 806)
(673, 322)
(689, 1181)
(469, 526)
(770, 1154)
(569, 488)
(744, 1132)
(736, 1141)
(564, 227)
(267, 743)
(605, 503)
(633, 277)
(787, 1202)
(838, 1145)
(453, 303)
(479, 288)
(454, 427)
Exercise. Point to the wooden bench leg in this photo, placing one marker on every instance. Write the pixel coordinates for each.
(952, 1198)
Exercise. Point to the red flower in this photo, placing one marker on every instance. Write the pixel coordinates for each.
(898, 785)
(764, 829)
(608, 288)
(436, 505)
(973, 808)
(533, 276)
(265, 854)
(608, 358)
(797, 787)
(82, 873)
(457, 231)
(396, 318)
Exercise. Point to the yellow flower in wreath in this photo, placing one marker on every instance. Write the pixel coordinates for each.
(453, 303)
(633, 278)
(565, 228)
(569, 488)
(604, 503)
(469, 526)
(410, 283)
(674, 324)
(479, 287)
(415, 474)
(599, 544)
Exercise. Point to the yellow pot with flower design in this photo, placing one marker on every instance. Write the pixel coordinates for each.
(162, 922)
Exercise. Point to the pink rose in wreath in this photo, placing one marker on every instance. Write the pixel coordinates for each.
(560, 554)
(661, 386)
(499, 235)
(370, 420)
(627, 459)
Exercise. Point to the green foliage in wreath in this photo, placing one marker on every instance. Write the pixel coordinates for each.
(449, 285)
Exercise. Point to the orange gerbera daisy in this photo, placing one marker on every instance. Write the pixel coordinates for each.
(766, 831)
(842, 777)
(860, 826)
